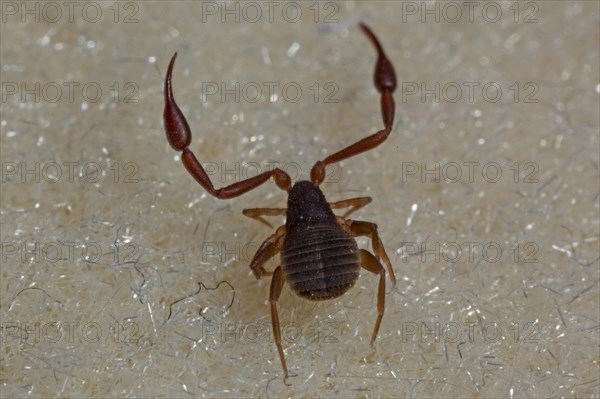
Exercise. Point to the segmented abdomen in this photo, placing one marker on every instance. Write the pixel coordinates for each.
(320, 262)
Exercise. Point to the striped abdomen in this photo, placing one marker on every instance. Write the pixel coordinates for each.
(320, 261)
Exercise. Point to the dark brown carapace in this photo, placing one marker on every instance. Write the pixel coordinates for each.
(319, 256)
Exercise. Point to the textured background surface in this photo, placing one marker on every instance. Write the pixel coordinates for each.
(502, 302)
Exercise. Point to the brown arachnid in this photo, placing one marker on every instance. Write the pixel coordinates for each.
(319, 256)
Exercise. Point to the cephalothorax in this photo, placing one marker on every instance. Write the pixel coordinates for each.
(319, 256)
